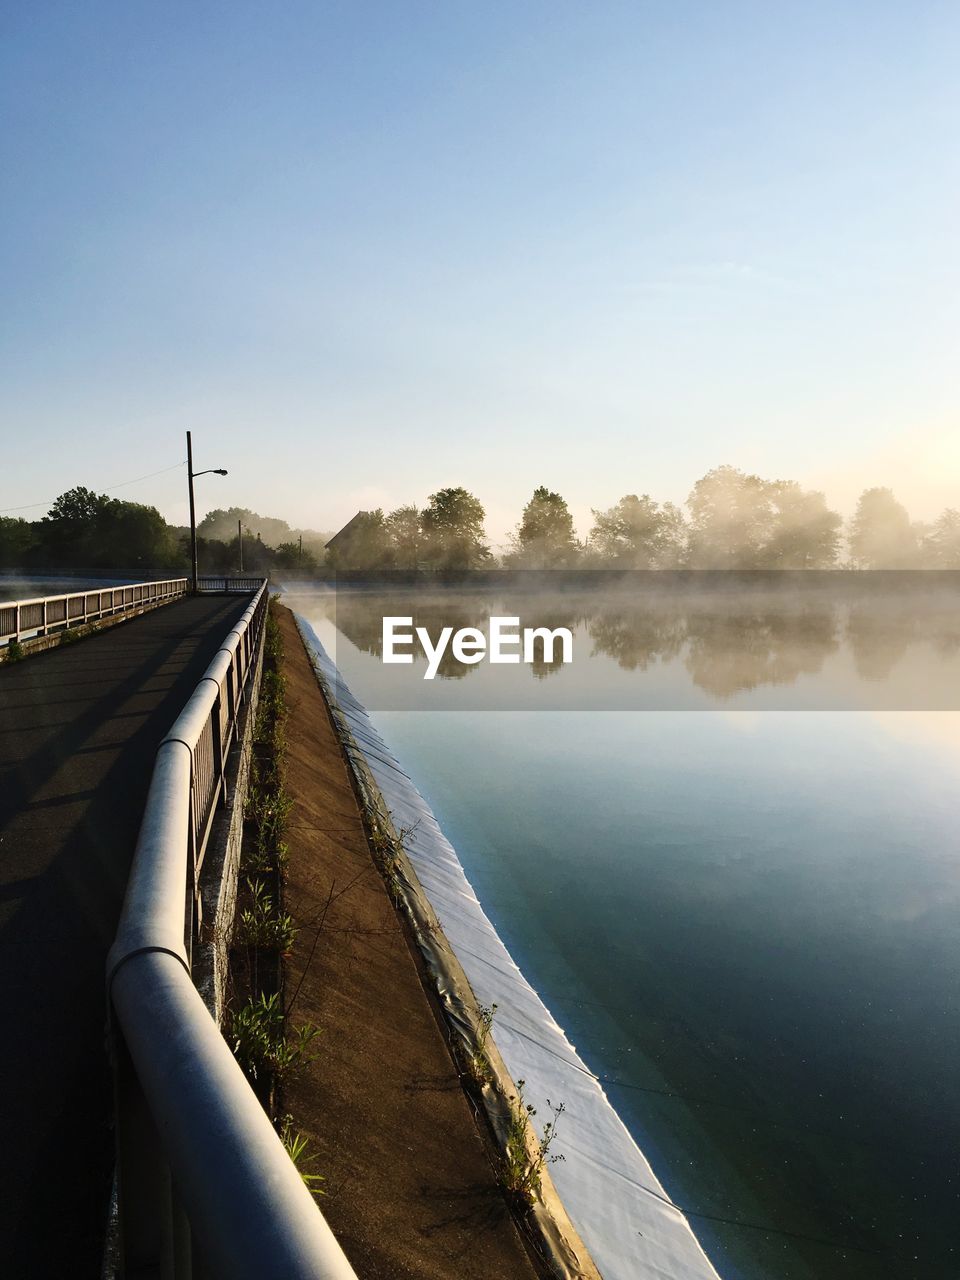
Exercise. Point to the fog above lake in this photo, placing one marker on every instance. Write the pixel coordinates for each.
(897, 648)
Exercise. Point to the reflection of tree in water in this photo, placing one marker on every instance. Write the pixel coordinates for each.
(637, 635)
(729, 645)
(551, 619)
(879, 637)
(729, 652)
(360, 618)
(945, 633)
(728, 649)
(880, 633)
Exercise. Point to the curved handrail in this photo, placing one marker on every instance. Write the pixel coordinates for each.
(246, 1203)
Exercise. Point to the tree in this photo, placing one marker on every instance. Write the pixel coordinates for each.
(87, 530)
(740, 521)
(405, 532)
(222, 525)
(544, 538)
(730, 520)
(290, 557)
(135, 535)
(453, 525)
(881, 535)
(78, 506)
(805, 533)
(941, 547)
(69, 530)
(638, 533)
(18, 539)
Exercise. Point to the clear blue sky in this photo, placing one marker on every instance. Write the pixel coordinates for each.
(365, 250)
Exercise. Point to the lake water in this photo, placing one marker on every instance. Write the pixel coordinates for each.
(18, 587)
(740, 897)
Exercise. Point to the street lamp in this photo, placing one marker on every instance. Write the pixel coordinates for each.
(212, 471)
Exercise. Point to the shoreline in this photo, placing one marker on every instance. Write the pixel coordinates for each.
(605, 1184)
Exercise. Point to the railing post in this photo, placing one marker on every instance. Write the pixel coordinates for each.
(218, 752)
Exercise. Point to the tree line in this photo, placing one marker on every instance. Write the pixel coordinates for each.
(731, 520)
(87, 532)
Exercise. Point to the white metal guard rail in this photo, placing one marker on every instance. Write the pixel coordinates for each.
(45, 614)
(228, 585)
(240, 1205)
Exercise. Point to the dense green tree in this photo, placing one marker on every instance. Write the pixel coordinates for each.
(544, 538)
(78, 507)
(638, 533)
(881, 535)
(453, 529)
(18, 542)
(136, 532)
(87, 530)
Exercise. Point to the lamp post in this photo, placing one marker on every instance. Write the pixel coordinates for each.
(212, 471)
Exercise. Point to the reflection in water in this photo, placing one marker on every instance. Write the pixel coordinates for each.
(727, 646)
(727, 653)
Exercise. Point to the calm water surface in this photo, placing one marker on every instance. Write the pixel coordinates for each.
(745, 915)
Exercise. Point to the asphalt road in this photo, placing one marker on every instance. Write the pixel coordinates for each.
(79, 729)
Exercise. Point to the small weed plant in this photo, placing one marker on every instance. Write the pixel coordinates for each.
(267, 812)
(261, 1042)
(478, 1062)
(387, 849)
(521, 1169)
(15, 651)
(298, 1149)
(262, 925)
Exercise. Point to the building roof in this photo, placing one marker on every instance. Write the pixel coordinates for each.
(344, 534)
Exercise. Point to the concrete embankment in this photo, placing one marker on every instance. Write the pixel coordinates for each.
(410, 1178)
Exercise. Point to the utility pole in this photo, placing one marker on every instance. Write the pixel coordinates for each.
(300, 550)
(213, 471)
(240, 540)
(193, 518)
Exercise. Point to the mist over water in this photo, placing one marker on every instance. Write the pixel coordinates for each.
(745, 916)
(893, 644)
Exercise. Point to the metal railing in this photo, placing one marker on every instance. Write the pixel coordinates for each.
(22, 619)
(201, 1172)
(228, 585)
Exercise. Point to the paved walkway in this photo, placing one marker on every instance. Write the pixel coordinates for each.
(79, 729)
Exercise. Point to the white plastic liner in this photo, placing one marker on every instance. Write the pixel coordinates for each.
(630, 1226)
